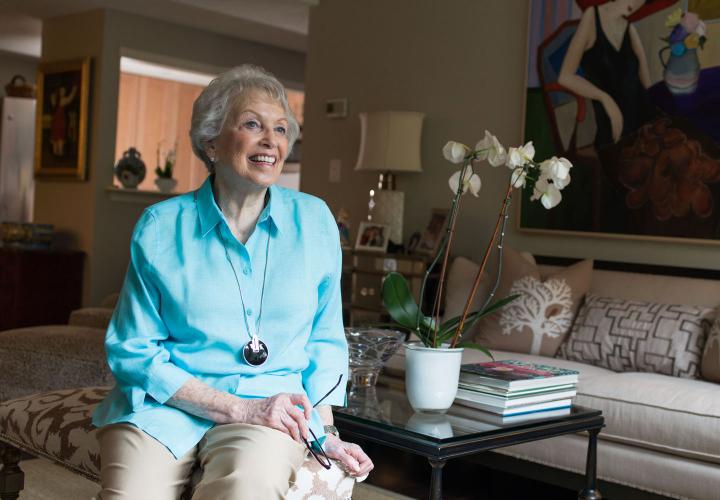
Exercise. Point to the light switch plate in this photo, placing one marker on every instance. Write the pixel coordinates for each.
(336, 108)
(334, 171)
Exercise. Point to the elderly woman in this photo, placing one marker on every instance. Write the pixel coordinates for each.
(227, 342)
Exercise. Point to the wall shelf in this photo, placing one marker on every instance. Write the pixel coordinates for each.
(140, 196)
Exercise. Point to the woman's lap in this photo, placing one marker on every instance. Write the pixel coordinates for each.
(239, 461)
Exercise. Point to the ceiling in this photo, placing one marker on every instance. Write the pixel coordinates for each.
(281, 23)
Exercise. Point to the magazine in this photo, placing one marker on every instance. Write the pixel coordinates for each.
(512, 374)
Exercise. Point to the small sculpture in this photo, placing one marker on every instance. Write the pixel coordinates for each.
(130, 169)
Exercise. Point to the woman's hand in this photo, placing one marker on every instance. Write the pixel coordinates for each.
(349, 454)
(279, 412)
(615, 115)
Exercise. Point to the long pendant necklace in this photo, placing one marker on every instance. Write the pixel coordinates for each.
(255, 352)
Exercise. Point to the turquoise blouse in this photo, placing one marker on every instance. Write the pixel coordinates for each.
(179, 314)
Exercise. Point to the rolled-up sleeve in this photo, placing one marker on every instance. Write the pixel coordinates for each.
(134, 340)
(327, 348)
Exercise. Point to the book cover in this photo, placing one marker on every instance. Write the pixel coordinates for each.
(513, 393)
(518, 410)
(504, 402)
(516, 374)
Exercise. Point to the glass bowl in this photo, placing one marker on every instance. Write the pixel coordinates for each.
(369, 349)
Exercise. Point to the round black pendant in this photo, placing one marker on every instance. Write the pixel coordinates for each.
(255, 357)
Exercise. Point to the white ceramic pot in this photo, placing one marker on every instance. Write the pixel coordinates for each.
(431, 376)
(165, 185)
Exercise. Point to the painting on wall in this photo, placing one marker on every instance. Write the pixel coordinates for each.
(61, 120)
(629, 92)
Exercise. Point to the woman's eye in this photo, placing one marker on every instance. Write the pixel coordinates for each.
(252, 124)
(281, 130)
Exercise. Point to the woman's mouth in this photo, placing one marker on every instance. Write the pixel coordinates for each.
(263, 160)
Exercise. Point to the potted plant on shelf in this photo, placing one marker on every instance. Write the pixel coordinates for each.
(164, 180)
(432, 363)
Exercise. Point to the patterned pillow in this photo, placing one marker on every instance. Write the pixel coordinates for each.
(539, 320)
(710, 365)
(627, 335)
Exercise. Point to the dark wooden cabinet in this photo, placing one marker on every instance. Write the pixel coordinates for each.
(39, 287)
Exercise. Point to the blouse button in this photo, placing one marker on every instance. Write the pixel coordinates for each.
(246, 271)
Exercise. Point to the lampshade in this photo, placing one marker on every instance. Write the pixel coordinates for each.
(390, 141)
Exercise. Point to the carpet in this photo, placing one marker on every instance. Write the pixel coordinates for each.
(47, 481)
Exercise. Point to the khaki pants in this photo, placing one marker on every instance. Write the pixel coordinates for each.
(239, 461)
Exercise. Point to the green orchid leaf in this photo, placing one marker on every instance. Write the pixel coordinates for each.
(473, 345)
(399, 301)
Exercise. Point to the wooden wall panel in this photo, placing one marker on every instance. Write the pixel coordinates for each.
(155, 113)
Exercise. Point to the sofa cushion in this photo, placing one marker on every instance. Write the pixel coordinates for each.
(57, 425)
(540, 318)
(48, 357)
(670, 414)
(94, 317)
(710, 364)
(627, 335)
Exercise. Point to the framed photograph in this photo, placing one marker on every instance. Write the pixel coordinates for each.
(61, 121)
(433, 234)
(373, 236)
(646, 160)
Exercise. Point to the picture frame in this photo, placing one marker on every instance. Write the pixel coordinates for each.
(433, 233)
(61, 120)
(373, 237)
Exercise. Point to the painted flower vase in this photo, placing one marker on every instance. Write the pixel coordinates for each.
(431, 376)
(130, 169)
(681, 71)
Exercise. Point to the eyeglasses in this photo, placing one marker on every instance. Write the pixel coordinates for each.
(326, 464)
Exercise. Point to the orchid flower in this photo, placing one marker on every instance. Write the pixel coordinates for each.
(547, 192)
(455, 152)
(518, 157)
(518, 177)
(490, 149)
(471, 182)
(557, 170)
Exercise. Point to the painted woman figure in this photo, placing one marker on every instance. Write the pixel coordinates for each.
(648, 158)
(58, 125)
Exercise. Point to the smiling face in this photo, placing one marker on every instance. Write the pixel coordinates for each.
(253, 142)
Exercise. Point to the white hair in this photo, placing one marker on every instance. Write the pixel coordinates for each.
(215, 103)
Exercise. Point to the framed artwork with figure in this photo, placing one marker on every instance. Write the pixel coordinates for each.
(625, 89)
(62, 118)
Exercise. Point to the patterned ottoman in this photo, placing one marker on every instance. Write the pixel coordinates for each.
(56, 425)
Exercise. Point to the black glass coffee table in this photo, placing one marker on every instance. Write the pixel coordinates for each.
(384, 415)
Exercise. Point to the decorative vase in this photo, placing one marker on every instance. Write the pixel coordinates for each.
(130, 169)
(431, 376)
(681, 72)
(165, 185)
(369, 349)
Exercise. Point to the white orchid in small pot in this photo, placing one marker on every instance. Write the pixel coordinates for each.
(433, 364)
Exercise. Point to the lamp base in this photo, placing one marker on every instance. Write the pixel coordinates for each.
(389, 209)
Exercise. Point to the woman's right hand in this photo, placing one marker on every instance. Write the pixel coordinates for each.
(279, 412)
(615, 115)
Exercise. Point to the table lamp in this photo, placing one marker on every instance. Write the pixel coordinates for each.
(389, 143)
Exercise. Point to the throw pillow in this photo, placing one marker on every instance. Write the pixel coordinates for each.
(537, 321)
(710, 364)
(628, 335)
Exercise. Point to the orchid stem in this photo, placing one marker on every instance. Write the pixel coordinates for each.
(481, 271)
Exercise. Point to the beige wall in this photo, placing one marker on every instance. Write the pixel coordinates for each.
(103, 227)
(16, 64)
(462, 62)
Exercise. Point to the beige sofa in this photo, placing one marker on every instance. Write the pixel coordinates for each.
(662, 433)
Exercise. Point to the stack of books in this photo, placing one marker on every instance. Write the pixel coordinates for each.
(514, 390)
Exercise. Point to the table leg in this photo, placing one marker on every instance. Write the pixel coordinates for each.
(436, 479)
(591, 492)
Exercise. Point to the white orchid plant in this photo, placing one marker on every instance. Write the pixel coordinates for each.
(546, 180)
